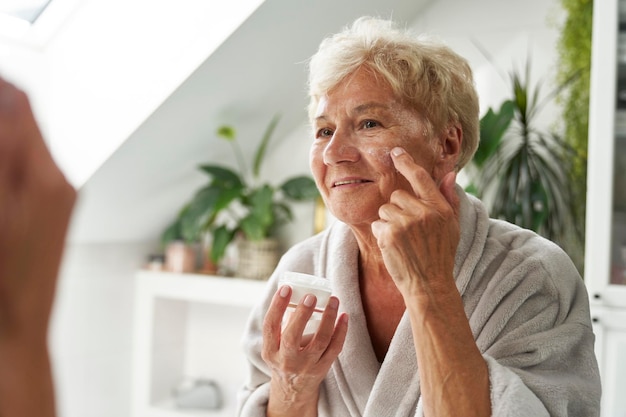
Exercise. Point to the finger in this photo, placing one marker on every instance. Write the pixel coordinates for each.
(327, 324)
(292, 333)
(401, 202)
(421, 182)
(273, 318)
(336, 342)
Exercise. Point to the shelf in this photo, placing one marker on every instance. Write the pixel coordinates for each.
(201, 288)
(189, 325)
(167, 408)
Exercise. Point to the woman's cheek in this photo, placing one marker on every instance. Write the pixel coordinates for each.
(316, 164)
(381, 155)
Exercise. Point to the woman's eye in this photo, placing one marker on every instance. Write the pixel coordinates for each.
(325, 132)
(369, 124)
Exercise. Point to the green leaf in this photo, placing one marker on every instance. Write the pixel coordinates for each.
(493, 126)
(171, 233)
(200, 211)
(226, 132)
(282, 215)
(253, 228)
(222, 236)
(300, 188)
(472, 189)
(260, 153)
(539, 199)
(222, 176)
(204, 207)
(257, 223)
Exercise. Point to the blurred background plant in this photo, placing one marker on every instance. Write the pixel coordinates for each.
(535, 178)
(521, 171)
(236, 202)
(574, 62)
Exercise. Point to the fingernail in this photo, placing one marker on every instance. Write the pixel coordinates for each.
(309, 300)
(284, 291)
(397, 151)
(333, 303)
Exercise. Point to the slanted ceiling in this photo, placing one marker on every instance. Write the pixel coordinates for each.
(258, 72)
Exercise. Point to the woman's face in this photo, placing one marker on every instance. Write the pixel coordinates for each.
(355, 127)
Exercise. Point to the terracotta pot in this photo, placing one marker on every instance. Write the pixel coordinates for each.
(180, 257)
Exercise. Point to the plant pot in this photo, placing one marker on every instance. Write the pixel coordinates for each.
(180, 257)
(257, 259)
(207, 266)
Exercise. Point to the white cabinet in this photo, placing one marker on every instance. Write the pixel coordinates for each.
(188, 326)
(610, 330)
(605, 252)
(605, 263)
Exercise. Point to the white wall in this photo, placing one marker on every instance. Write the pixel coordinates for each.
(91, 332)
(510, 31)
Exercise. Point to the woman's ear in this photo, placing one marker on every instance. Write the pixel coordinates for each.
(451, 146)
(449, 150)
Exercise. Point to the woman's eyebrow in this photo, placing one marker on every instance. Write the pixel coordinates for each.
(362, 108)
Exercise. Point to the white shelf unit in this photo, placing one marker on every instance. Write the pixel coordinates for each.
(188, 326)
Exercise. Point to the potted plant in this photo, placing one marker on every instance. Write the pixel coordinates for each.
(181, 251)
(520, 171)
(236, 203)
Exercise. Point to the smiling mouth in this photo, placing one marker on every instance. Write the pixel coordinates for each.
(338, 183)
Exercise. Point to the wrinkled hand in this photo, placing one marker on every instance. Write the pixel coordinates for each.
(300, 363)
(35, 206)
(418, 232)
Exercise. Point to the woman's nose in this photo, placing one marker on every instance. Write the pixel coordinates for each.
(340, 149)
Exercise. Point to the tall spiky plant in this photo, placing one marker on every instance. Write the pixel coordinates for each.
(522, 171)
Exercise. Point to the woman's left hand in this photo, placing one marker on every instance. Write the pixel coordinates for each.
(418, 232)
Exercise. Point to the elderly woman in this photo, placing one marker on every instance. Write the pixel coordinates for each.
(444, 312)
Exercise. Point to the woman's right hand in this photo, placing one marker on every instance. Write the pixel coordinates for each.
(299, 363)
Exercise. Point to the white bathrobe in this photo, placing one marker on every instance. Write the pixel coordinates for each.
(526, 304)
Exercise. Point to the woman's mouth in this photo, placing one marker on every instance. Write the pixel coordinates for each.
(348, 182)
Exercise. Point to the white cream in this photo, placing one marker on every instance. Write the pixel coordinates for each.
(382, 154)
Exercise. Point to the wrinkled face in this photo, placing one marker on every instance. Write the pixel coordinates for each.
(355, 126)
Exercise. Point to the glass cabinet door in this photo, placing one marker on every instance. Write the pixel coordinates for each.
(618, 241)
(605, 246)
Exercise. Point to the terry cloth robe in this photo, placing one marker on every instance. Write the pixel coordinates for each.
(526, 304)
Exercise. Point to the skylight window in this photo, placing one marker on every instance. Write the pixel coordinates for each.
(32, 23)
(27, 10)
(17, 16)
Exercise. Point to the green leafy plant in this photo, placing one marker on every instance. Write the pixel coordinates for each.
(235, 203)
(574, 57)
(521, 171)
